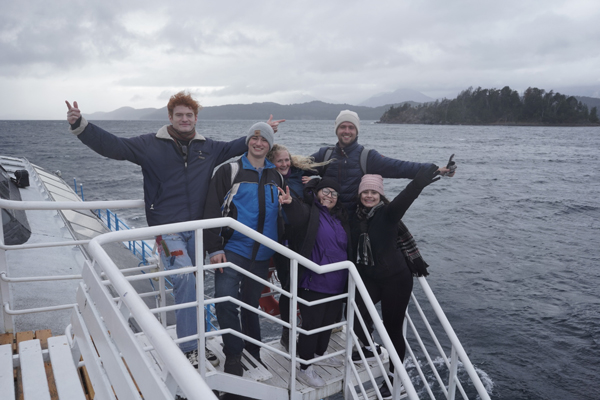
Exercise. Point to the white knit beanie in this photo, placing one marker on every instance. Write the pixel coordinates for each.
(347, 116)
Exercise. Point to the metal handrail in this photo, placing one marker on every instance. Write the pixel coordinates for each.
(160, 339)
(99, 254)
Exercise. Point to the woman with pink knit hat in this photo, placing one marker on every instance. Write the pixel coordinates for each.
(386, 258)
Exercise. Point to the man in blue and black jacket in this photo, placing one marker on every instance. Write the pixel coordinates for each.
(246, 190)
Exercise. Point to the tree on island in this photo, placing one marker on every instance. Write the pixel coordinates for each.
(493, 106)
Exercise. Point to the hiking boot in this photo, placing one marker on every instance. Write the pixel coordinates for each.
(192, 357)
(369, 356)
(285, 339)
(309, 377)
(334, 361)
(384, 389)
(211, 357)
(233, 365)
(386, 392)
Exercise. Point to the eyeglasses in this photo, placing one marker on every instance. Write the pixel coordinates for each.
(329, 192)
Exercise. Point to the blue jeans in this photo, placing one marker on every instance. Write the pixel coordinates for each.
(182, 254)
(231, 283)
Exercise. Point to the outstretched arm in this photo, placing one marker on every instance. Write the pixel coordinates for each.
(425, 176)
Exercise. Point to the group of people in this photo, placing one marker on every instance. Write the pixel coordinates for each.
(328, 207)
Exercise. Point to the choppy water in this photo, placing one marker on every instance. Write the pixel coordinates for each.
(512, 240)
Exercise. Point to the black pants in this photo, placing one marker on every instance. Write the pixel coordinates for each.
(316, 317)
(394, 294)
(282, 265)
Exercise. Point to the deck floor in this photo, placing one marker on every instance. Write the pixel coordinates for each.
(278, 368)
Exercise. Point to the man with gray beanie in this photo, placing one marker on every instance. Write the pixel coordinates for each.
(352, 160)
(246, 190)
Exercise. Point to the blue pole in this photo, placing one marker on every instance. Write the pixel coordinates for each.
(81, 187)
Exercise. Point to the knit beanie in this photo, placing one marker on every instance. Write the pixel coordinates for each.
(264, 130)
(347, 116)
(328, 183)
(371, 182)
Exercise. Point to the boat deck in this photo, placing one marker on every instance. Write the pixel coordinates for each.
(276, 370)
(44, 369)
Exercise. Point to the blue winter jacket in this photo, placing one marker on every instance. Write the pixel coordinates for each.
(253, 200)
(347, 171)
(174, 189)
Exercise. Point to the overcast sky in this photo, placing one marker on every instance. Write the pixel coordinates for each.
(108, 54)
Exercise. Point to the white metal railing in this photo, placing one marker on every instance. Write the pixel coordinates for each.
(355, 282)
(165, 347)
(6, 312)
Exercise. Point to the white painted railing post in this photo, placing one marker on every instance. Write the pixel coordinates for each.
(200, 300)
(293, 323)
(452, 374)
(6, 321)
(349, 342)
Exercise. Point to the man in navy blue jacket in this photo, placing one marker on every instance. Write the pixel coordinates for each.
(247, 191)
(177, 164)
(347, 169)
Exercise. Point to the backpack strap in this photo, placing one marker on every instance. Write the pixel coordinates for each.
(235, 167)
(328, 154)
(364, 154)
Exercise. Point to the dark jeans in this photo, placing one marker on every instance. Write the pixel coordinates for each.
(231, 283)
(316, 317)
(282, 265)
(394, 294)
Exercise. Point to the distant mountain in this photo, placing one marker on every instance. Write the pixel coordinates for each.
(396, 97)
(314, 110)
(589, 101)
(123, 113)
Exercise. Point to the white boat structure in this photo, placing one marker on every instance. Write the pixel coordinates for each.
(80, 319)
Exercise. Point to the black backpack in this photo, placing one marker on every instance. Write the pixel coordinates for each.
(21, 178)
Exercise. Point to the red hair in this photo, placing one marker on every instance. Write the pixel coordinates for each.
(183, 99)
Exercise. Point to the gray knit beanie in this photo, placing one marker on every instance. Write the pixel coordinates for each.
(347, 116)
(264, 130)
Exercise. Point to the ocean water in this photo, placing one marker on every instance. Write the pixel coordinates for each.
(512, 239)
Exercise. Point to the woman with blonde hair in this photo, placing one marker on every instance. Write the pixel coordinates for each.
(293, 169)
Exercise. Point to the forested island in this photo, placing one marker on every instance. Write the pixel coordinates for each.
(497, 107)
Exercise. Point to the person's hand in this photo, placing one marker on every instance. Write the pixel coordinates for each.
(217, 259)
(450, 169)
(426, 176)
(274, 124)
(445, 171)
(305, 179)
(74, 113)
(285, 197)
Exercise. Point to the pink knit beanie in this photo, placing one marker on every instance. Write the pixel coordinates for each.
(371, 182)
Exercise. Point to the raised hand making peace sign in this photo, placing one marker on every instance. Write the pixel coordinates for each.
(73, 114)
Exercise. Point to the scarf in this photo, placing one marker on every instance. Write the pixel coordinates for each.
(405, 242)
(175, 134)
(364, 254)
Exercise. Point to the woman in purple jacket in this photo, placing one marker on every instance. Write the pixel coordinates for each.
(320, 233)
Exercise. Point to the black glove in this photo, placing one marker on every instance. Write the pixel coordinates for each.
(426, 176)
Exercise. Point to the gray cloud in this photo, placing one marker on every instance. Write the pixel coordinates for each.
(344, 51)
